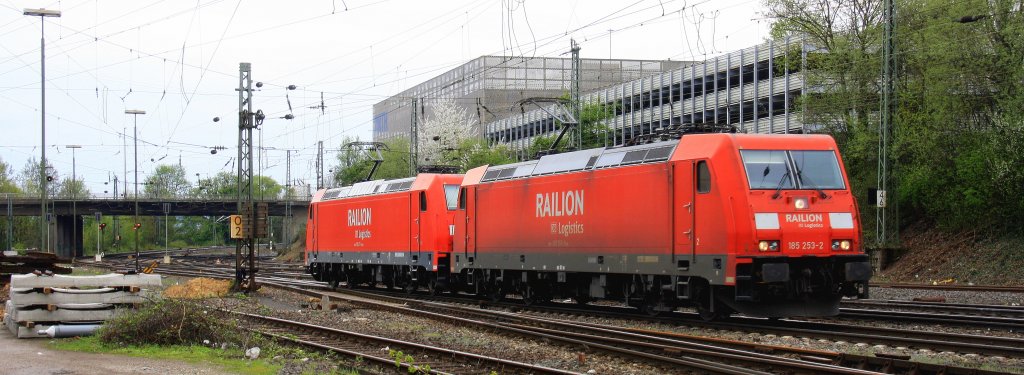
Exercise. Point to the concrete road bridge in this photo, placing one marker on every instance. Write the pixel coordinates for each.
(67, 215)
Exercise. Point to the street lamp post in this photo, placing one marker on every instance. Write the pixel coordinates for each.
(74, 201)
(135, 138)
(42, 14)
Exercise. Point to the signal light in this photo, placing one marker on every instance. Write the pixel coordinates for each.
(103, 226)
(49, 178)
(137, 226)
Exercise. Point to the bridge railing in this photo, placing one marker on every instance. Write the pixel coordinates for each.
(146, 197)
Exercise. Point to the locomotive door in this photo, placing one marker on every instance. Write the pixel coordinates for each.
(315, 245)
(471, 212)
(683, 213)
(420, 208)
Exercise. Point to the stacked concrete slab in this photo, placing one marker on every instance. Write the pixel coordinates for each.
(38, 302)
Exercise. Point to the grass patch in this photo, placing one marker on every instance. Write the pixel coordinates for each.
(228, 360)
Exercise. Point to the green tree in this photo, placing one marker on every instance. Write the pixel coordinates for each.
(957, 136)
(167, 181)
(28, 179)
(593, 131)
(7, 183)
(353, 168)
(475, 152)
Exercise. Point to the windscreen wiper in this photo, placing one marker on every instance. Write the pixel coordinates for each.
(778, 189)
(800, 175)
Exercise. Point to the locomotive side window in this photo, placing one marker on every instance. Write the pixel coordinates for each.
(462, 199)
(451, 196)
(703, 177)
(423, 201)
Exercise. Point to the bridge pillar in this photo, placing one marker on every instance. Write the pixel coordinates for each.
(68, 236)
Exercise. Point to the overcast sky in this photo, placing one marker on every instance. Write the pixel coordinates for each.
(178, 61)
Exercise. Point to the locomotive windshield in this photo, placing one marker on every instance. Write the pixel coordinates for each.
(793, 169)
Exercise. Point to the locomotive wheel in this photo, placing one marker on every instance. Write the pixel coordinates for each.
(582, 300)
(706, 314)
(334, 284)
(496, 294)
(528, 294)
(650, 306)
(409, 288)
(433, 289)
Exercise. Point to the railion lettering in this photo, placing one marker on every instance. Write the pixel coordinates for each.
(804, 218)
(359, 217)
(560, 203)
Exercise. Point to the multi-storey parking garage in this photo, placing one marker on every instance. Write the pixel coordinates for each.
(488, 86)
(754, 89)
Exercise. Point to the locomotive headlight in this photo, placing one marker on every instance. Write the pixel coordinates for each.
(800, 203)
(841, 245)
(768, 245)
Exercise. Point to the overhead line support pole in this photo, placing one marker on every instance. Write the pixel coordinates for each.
(245, 269)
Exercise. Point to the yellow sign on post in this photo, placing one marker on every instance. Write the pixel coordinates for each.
(237, 226)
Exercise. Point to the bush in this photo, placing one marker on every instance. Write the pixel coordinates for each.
(167, 322)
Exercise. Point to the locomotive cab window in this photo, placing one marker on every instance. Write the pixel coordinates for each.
(462, 199)
(423, 201)
(818, 170)
(451, 196)
(797, 169)
(703, 177)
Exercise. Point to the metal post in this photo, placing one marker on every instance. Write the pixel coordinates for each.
(135, 138)
(74, 201)
(167, 249)
(320, 165)
(247, 120)
(574, 92)
(42, 13)
(98, 233)
(414, 139)
(117, 221)
(287, 198)
(10, 222)
(882, 225)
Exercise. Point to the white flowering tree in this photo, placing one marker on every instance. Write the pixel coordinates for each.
(442, 135)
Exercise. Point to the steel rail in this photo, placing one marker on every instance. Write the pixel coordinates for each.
(356, 344)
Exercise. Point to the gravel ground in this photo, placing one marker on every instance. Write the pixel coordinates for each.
(951, 296)
(288, 305)
(1010, 365)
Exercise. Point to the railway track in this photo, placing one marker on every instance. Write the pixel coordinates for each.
(975, 288)
(941, 307)
(657, 343)
(414, 357)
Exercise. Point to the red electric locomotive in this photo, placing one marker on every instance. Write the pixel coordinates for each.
(765, 225)
(395, 233)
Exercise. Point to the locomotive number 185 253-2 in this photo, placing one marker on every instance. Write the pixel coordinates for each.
(806, 245)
